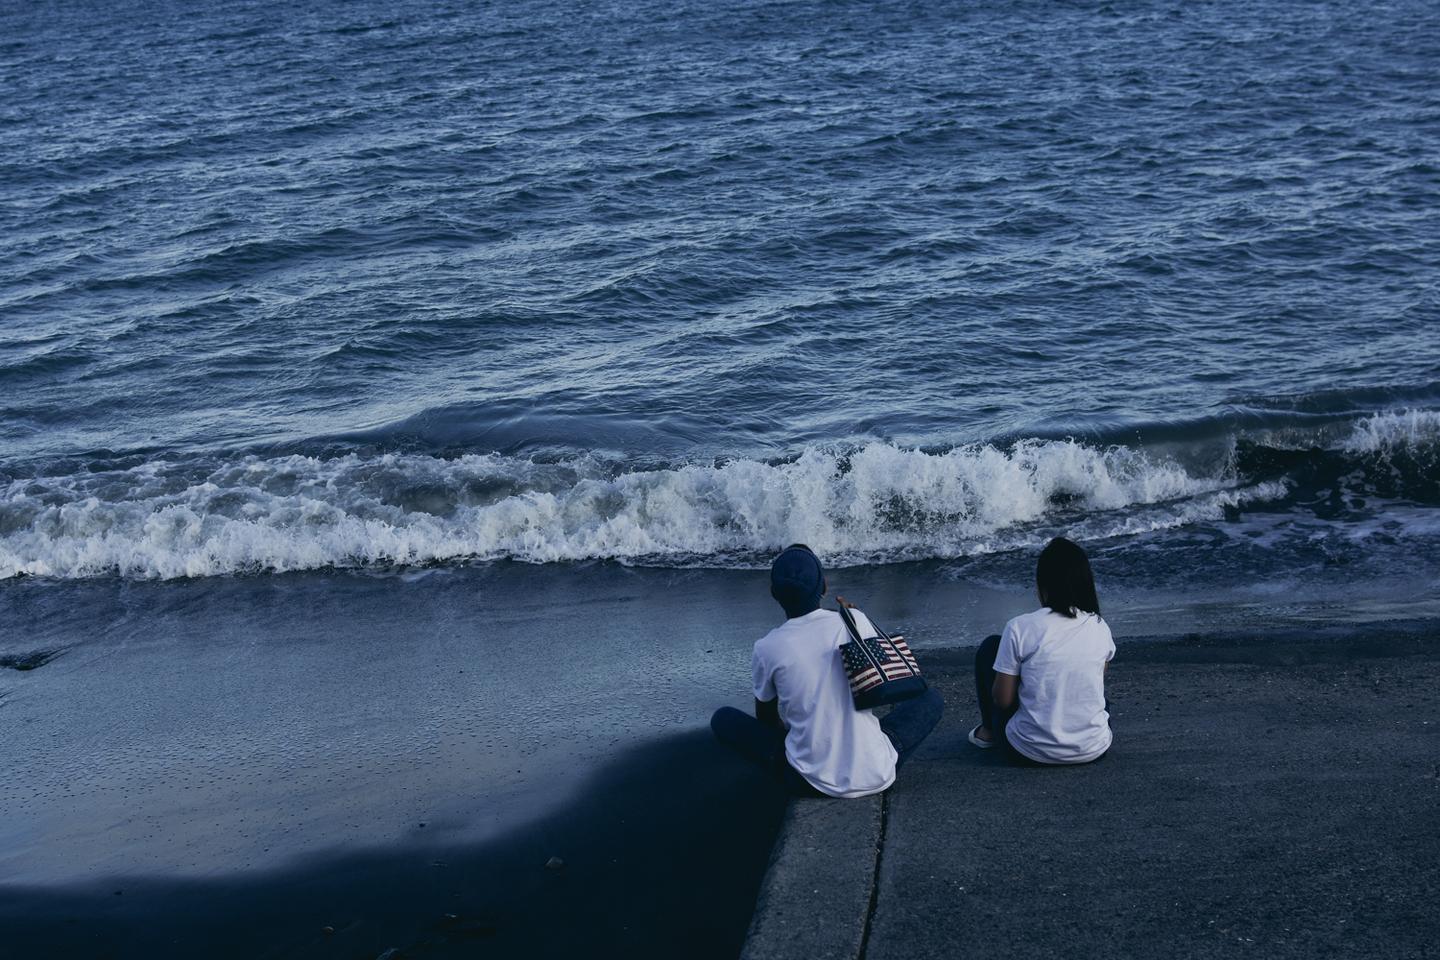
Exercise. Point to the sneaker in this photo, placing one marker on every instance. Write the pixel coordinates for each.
(982, 744)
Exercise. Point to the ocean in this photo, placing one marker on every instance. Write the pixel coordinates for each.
(678, 285)
(334, 330)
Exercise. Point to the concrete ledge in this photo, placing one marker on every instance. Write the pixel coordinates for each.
(815, 899)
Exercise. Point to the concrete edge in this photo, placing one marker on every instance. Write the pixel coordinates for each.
(815, 899)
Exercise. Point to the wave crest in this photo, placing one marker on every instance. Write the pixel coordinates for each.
(1388, 432)
(166, 519)
(208, 516)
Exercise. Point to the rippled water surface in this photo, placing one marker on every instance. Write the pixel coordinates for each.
(672, 283)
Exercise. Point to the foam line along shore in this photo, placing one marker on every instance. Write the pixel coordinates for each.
(200, 515)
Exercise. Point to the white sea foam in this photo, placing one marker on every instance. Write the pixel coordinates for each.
(1386, 432)
(169, 519)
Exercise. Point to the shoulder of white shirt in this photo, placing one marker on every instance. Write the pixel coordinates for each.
(1037, 617)
(793, 624)
(1034, 617)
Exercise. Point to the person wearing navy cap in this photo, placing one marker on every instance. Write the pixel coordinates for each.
(806, 730)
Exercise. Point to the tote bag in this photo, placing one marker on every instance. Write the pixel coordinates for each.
(881, 669)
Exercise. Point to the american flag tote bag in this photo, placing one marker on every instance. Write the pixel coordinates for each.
(881, 669)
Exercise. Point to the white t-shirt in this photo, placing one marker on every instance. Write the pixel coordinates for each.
(1061, 665)
(839, 750)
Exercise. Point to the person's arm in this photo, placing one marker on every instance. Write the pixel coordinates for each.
(1004, 692)
(767, 698)
(768, 713)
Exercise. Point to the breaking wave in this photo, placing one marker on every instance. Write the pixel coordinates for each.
(191, 517)
(1410, 430)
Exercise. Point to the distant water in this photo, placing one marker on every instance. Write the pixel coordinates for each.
(676, 284)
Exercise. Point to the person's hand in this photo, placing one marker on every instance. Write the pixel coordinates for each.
(845, 603)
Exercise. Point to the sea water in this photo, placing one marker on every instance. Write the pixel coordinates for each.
(679, 284)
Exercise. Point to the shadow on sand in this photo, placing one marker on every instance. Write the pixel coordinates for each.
(663, 851)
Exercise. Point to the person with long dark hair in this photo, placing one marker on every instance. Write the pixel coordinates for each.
(1041, 683)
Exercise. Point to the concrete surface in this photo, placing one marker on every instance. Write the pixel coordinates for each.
(817, 892)
(1260, 801)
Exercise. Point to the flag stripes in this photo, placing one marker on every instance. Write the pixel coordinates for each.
(871, 661)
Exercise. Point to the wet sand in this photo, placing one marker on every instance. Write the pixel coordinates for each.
(659, 855)
(226, 767)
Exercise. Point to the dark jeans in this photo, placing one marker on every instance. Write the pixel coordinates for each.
(907, 724)
(989, 714)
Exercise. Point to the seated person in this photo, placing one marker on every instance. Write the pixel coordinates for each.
(1041, 683)
(806, 730)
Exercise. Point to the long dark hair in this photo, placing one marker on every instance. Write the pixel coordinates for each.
(1064, 578)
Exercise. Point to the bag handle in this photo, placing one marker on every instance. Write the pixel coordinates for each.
(849, 618)
(856, 639)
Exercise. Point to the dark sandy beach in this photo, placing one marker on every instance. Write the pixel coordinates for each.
(227, 766)
(660, 855)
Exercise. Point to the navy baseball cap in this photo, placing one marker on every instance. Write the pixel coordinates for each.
(797, 580)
